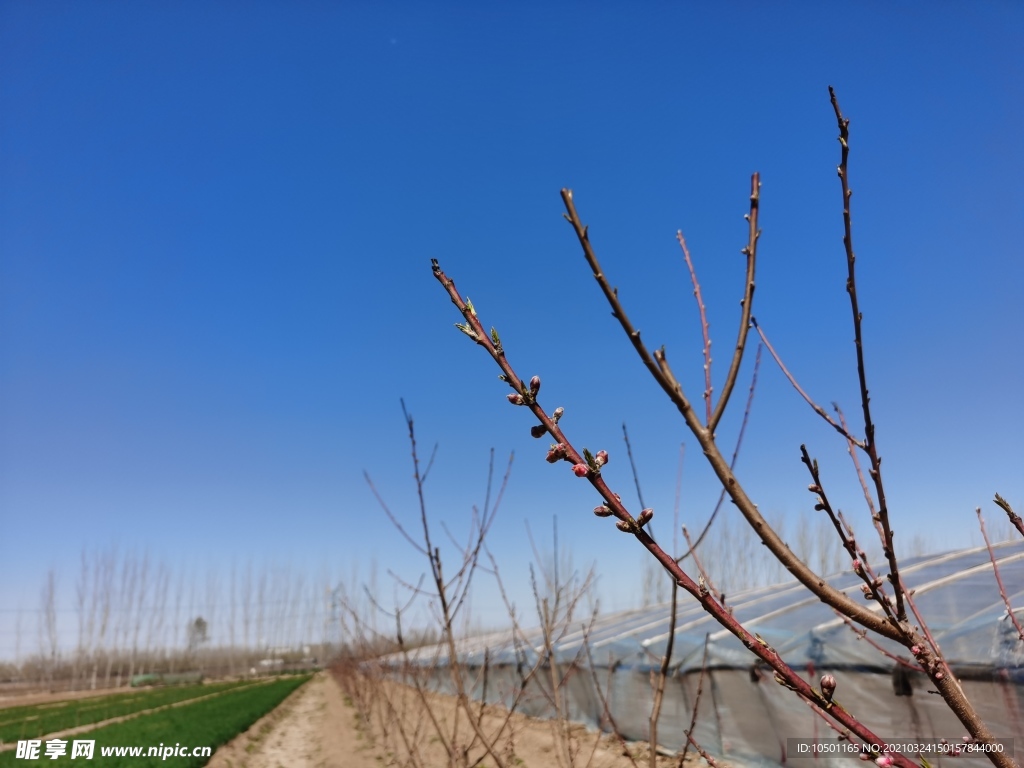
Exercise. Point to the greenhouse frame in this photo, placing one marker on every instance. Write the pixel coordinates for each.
(608, 665)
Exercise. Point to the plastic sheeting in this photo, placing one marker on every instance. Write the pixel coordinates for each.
(746, 717)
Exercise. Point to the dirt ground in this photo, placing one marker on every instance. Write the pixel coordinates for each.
(317, 727)
(312, 728)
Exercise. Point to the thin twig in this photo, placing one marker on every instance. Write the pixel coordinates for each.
(696, 700)
(735, 455)
(704, 327)
(999, 580)
(746, 304)
(800, 390)
(858, 340)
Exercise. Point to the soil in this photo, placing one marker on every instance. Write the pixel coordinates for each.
(312, 728)
(318, 727)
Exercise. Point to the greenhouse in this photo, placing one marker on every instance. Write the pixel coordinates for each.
(606, 666)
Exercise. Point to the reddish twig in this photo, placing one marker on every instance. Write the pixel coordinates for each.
(800, 390)
(863, 635)
(868, 498)
(704, 578)
(999, 579)
(704, 327)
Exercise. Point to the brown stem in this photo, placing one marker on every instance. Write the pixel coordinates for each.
(704, 327)
(1014, 517)
(858, 340)
(746, 304)
(705, 438)
(732, 461)
(785, 675)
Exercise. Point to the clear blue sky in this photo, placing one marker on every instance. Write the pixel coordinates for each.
(216, 221)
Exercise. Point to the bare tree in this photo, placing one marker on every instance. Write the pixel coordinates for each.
(894, 616)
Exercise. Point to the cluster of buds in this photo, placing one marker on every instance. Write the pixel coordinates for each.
(539, 430)
(557, 452)
(828, 687)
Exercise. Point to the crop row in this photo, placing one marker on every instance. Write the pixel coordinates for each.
(31, 722)
(206, 723)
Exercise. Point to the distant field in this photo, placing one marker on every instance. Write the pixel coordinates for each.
(209, 722)
(33, 721)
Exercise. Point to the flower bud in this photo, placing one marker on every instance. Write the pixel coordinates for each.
(624, 526)
(557, 414)
(603, 511)
(645, 516)
(535, 385)
(813, 488)
(516, 399)
(580, 470)
(856, 566)
(819, 507)
(601, 458)
(883, 761)
(556, 453)
(828, 687)
(538, 430)
(915, 649)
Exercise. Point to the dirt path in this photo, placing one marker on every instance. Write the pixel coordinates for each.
(313, 728)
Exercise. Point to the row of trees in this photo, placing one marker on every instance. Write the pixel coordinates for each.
(129, 615)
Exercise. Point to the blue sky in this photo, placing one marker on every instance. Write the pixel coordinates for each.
(216, 221)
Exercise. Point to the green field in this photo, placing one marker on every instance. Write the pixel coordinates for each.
(207, 723)
(37, 720)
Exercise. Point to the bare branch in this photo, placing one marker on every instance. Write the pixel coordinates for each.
(858, 339)
(704, 327)
(750, 251)
(999, 580)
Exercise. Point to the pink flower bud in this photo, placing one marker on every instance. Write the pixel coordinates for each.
(915, 649)
(580, 470)
(856, 566)
(516, 399)
(535, 385)
(939, 675)
(884, 761)
(601, 458)
(828, 687)
(603, 511)
(645, 517)
(557, 453)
